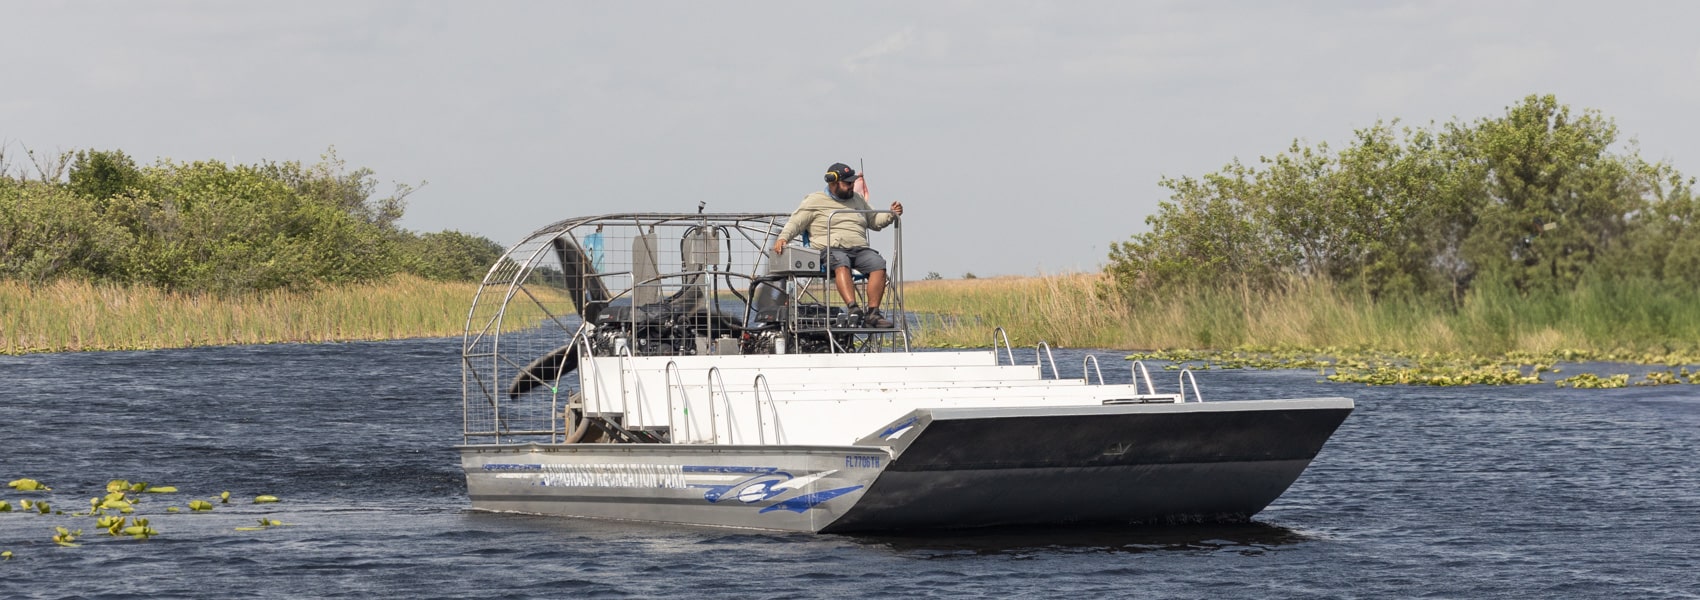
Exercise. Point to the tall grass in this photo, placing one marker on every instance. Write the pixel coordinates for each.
(1071, 310)
(76, 315)
(1068, 310)
(1062, 309)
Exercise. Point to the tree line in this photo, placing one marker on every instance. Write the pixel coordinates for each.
(1539, 199)
(207, 226)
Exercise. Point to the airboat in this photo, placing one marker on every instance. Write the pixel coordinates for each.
(670, 368)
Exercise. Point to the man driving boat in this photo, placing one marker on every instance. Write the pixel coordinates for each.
(849, 239)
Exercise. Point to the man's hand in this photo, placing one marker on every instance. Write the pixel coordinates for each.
(897, 208)
(779, 247)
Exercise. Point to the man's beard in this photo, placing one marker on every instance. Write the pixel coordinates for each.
(847, 194)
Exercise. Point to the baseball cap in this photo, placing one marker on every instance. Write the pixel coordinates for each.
(840, 172)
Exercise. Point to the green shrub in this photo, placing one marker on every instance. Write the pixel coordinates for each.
(207, 226)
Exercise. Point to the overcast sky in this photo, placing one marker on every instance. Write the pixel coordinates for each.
(1021, 137)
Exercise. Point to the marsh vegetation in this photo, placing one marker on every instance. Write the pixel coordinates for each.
(1464, 252)
(100, 253)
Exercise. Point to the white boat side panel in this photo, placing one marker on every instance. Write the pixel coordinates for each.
(971, 358)
(619, 385)
(795, 421)
(823, 420)
(817, 399)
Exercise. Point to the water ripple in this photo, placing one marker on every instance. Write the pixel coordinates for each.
(1512, 492)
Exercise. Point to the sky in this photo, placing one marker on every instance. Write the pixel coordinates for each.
(1021, 137)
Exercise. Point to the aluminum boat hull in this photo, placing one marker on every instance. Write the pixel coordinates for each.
(936, 468)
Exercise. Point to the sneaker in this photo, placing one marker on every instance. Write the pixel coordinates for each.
(851, 317)
(876, 320)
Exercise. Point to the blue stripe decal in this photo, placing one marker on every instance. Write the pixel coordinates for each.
(714, 469)
(808, 501)
(899, 427)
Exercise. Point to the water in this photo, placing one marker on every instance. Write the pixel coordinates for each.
(1519, 492)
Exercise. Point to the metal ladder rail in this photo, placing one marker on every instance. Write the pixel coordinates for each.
(1085, 375)
(1186, 376)
(625, 409)
(714, 377)
(1138, 370)
(760, 385)
(1008, 350)
(670, 374)
(1040, 353)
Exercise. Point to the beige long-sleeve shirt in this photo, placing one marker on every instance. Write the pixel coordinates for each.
(848, 230)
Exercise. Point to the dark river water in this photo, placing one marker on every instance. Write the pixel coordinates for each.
(1521, 492)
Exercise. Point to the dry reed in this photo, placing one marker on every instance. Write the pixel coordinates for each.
(77, 315)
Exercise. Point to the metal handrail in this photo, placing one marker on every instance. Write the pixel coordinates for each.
(625, 409)
(1039, 362)
(670, 373)
(1008, 350)
(1186, 375)
(760, 385)
(713, 416)
(1086, 376)
(1139, 369)
(555, 394)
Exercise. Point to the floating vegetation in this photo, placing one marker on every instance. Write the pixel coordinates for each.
(110, 524)
(136, 528)
(1488, 375)
(124, 485)
(114, 512)
(28, 485)
(264, 524)
(1424, 368)
(139, 529)
(1692, 377)
(1595, 382)
(1661, 378)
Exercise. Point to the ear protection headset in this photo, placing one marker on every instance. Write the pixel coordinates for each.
(832, 176)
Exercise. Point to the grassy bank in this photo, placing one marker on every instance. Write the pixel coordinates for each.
(1634, 323)
(73, 316)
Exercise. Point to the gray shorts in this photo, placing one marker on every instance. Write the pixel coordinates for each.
(864, 260)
